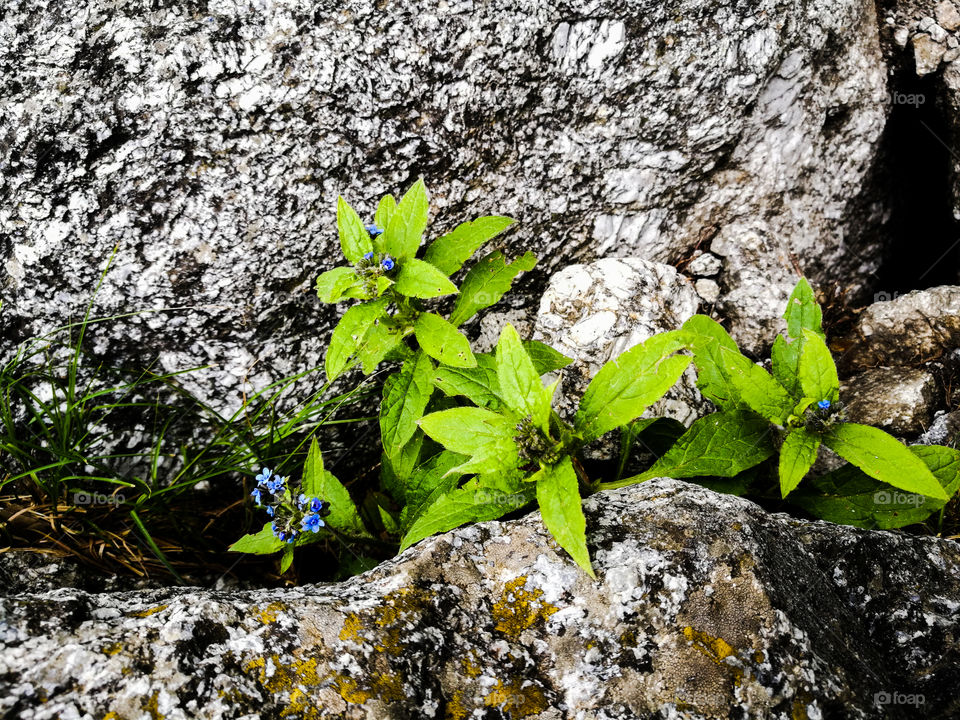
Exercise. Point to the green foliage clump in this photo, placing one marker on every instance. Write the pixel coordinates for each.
(469, 436)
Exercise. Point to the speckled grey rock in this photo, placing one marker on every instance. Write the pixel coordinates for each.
(914, 328)
(593, 313)
(208, 143)
(944, 430)
(900, 400)
(705, 605)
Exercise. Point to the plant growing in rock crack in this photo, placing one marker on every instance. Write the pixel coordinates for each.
(516, 447)
(791, 412)
(302, 512)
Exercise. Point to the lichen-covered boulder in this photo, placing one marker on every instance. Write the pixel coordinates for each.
(705, 606)
(207, 143)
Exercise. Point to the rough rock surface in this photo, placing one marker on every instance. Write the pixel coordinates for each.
(914, 328)
(900, 400)
(593, 313)
(705, 605)
(208, 142)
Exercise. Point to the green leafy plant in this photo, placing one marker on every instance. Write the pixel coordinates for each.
(515, 447)
(303, 512)
(789, 413)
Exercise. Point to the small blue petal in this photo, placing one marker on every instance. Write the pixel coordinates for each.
(387, 263)
(368, 256)
(823, 404)
(374, 230)
(264, 477)
(316, 505)
(271, 510)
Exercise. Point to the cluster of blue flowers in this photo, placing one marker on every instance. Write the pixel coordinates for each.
(290, 518)
(386, 263)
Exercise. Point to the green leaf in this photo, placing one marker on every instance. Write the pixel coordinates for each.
(420, 279)
(883, 457)
(443, 342)
(286, 560)
(520, 384)
(317, 482)
(558, 494)
(818, 373)
(756, 387)
(545, 358)
(354, 238)
(405, 397)
(785, 361)
(385, 210)
(437, 472)
(797, 455)
(450, 251)
(706, 340)
(396, 470)
(624, 388)
(851, 497)
(381, 339)
(485, 436)
(723, 444)
(803, 312)
(349, 334)
(459, 507)
(403, 233)
(262, 543)
(390, 523)
(486, 283)
(334, 283)
(479, 385)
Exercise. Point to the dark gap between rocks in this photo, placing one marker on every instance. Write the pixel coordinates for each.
(922, 229)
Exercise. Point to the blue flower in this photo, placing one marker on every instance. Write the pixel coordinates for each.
(387, 263)
(368, 256)
(824, 404)
(264, 477)
(276, 485)
(301, 501)
(291, 536)
(257, 495)
(316, 505)
(276, 530)
(271, 510)
(374, 230)
(312, 523)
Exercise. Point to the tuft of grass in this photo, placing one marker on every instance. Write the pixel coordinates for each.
(128, 470)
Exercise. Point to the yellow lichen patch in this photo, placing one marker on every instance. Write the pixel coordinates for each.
(520, 609)
(400, 611)
(799, 710)
(148, 613)
(384, 686)
(352, 625)
(112, 716)
(470, 667)
(290, 679)
(717, 649)
(455, 708)
(268, 614)
(152, 706)
(758, 657)
(516, 699)
(111, 649)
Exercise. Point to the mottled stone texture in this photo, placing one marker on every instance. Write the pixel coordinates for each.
(207, 142)
(705, 607)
